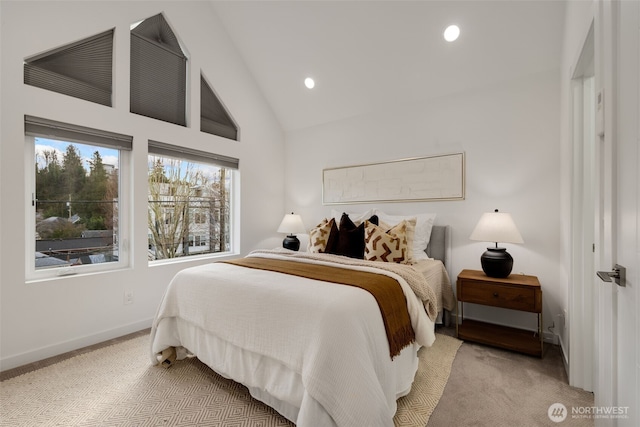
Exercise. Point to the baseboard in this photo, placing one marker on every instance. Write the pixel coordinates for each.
(565, 355)
(550, 338)
(71, 345)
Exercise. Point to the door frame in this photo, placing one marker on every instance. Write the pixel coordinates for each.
(581, 282)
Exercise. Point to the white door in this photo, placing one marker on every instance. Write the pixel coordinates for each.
(617, 358)
(627, 203)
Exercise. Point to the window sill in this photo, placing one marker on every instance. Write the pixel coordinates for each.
(53, 275)
(194, 259)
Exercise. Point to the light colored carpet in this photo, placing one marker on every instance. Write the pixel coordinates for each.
(490, 387)
(117, 386)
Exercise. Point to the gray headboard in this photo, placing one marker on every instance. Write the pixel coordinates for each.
(437, 247)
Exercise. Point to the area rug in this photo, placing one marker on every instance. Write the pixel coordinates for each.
(117, 386)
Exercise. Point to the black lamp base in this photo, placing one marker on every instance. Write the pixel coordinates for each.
(291, 242)
(496, 262)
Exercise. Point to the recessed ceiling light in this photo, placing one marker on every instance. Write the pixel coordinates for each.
(451, 33)
(309, 83)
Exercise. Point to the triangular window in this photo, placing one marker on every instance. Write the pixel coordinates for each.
(214, 118)
(82, 69)
(158, 72)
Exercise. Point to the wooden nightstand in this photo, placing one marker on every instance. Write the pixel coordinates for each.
(517, 292)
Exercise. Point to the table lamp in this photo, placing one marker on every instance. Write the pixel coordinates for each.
(496, 227)
(291, 224)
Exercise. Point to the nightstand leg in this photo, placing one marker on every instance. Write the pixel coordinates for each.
(456, 314)
(460, 318)
(540, 332)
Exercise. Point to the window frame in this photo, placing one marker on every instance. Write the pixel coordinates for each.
(124, 217)
(156, 148)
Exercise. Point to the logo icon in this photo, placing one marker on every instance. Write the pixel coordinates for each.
(557, 412)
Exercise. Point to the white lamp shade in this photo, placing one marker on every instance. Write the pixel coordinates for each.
(496, 227)
(291, 224)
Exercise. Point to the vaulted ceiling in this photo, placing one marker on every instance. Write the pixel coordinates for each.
(373, 55)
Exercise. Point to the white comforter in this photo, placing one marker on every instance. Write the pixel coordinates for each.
(325, 344)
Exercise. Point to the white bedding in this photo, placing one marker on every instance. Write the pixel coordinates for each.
(315, 351)
(436, 275)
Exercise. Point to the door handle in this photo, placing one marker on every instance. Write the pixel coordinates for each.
(617, 276)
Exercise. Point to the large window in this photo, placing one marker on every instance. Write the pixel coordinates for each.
(189, 207)
(76, 197)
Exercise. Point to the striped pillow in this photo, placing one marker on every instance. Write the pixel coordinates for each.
(389, 246)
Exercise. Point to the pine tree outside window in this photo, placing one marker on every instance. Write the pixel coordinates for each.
(77, 198)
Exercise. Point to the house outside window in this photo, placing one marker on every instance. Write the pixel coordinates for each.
(189, 206)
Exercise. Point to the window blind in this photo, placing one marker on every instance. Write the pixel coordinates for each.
(82, 69)
(164, 149)
(214, 118)
(37, 126)
(158, 78)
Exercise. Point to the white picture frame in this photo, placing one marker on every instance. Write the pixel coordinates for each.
(429, 178)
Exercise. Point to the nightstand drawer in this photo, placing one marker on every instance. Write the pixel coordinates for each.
(513, 297)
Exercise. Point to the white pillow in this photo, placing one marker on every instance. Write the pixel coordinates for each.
(357, 218)
(422, 235)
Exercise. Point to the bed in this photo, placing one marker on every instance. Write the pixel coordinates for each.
(319, 353)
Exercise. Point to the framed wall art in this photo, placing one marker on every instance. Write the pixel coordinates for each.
(430, 178)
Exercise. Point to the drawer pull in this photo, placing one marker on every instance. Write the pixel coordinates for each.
(495, 294)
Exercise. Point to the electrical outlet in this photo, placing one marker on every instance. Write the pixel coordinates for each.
(128, 297)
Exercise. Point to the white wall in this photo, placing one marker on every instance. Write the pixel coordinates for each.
(510, 135)
(41, 319)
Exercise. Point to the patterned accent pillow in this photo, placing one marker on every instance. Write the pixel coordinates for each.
(422, 232)
(320, 237)
(389, 246)
(411, 228)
